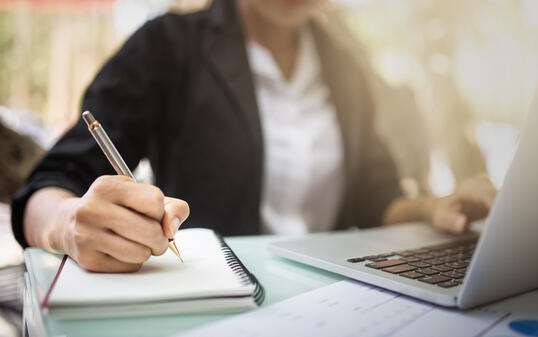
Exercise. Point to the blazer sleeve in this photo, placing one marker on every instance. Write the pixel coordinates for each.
(124, 97)
(378, 184)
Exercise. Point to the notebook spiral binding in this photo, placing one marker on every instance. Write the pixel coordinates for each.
(246, 277)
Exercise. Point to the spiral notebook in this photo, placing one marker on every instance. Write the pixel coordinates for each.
(211, 279)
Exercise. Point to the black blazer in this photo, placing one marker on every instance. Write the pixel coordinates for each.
(180, 92)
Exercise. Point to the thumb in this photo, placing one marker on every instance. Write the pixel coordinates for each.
(458, 222)
(489, 199)
(176, 211)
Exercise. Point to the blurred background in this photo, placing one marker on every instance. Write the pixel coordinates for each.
(453, 80)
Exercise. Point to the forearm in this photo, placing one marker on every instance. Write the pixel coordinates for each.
(47, 216)
(406, 210)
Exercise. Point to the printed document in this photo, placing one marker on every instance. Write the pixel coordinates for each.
(352, 308)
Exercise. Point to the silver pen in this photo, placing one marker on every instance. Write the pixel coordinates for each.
(115, 158)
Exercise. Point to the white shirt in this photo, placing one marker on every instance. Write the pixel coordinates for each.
(303, 174)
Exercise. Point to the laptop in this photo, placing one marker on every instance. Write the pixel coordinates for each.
(449, 270)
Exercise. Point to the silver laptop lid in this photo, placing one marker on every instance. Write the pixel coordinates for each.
(505, 261)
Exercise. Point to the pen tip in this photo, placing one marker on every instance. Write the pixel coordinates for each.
(173, 248)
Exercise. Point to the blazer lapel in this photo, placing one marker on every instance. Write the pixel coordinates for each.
(224, 47)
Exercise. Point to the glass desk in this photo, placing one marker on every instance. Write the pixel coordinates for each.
(281, 279)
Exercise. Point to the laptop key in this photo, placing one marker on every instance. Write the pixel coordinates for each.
(420, 264)
(373, 258)
(427, 271)
(448, 251)
(451, 258)
(439, 254)
(425, 256)
(411, 274)
(402, 268)
(386, 255)
(457, 265)
(434, 279)
(434, 262)
(453, 274)
(442, 268)
(355, 259)
(410, 259)
(405, 253)
(387, 263)
(449, 284)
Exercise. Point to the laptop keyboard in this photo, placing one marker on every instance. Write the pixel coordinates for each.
(443, 265)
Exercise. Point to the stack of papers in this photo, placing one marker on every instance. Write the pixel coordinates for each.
(352, 308)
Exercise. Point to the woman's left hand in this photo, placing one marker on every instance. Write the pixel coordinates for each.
(471, 201)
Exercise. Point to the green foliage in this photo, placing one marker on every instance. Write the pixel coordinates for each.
(40, 61)
(6, 46)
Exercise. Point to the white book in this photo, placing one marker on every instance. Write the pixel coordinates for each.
(211, 279)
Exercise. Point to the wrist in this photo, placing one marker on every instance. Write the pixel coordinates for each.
(58, 234)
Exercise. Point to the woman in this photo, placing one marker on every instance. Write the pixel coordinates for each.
(247, 111)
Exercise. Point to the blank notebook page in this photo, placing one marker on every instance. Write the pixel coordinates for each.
(204, 273)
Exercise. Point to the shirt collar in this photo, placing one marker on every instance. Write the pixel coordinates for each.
(306, 69)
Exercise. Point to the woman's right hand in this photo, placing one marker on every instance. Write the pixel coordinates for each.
(115, 227)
